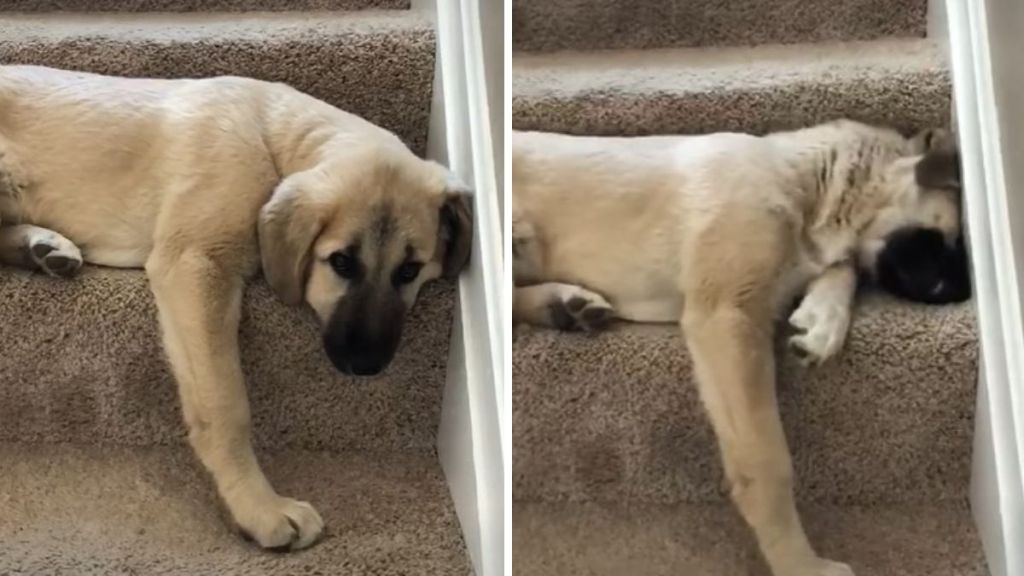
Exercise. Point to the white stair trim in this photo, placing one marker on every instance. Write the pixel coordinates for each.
(474, 432)
(997, 491)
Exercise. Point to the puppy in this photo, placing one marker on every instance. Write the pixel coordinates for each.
(721, 233)
(203, 183)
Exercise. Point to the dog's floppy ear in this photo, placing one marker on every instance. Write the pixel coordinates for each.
(288, 225)
(940, 166)
(455, 230)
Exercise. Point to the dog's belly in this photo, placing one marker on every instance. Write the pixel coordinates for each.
(654, 310)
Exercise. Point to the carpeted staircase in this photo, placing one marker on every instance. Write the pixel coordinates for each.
(95, 474)
(615, 469)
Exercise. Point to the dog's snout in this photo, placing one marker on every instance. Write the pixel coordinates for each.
(362, 336)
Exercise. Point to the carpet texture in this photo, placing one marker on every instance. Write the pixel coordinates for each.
(615, 417)
(95, 475)
(82, 359)
(86, 511)
(615, 467)
(592, 24)
(900, 83)
(378, 64)
(196, 5)
(711, 540)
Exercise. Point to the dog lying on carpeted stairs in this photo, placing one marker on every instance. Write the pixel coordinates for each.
(203, 183)
(721, 233)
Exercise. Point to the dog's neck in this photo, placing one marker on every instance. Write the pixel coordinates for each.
(845, 176)
(299, 139)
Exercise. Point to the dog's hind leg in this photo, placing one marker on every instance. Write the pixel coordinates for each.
(728, 327)
(36, 248)
(563, 306)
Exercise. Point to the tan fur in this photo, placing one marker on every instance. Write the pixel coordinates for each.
(719, 233)
(203, 182)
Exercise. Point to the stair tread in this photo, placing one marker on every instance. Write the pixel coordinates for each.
(153, 511)
(616, 417)
(559, 24)
(193, 26)
(83, 359)
(711, 540)
(196, 5)
(895, 81)
(347, 59)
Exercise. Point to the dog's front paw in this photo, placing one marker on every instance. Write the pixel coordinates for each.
(54, 254)
(280, 523)
(578, 309)
(821, 331)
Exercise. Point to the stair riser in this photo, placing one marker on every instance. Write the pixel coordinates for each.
(543, 25)
(82, 361)
(745, 109)
(196, 5)
(617, 418)
(384, 76)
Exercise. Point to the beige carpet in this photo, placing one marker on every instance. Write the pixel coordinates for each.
(933, 539)
(378, 64)
(74, 510)
(615, 468)
(197, 5)
(95, 479)
(591, 24)
(82, 359)
(898, 82)
(615, 417)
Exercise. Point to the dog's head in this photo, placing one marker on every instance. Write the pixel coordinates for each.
(915, 248)
(356, 237)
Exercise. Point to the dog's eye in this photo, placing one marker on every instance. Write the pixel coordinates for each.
(344, 265)
(408, 272)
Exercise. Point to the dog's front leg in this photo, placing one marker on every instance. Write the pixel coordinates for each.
(199, 302)
(731, 346)
(822, 319)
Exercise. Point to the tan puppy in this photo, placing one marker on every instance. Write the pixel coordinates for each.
(203, 182)
(719, 233)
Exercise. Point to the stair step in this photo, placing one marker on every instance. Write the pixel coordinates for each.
(82, 359)
(571, 24)
(196, 5)
(902, 83)
(615, 417)
(378, 64)
(711, 540)
(93, 511)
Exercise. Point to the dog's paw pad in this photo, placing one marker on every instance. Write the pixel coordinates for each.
(55, 255)
(581, 311)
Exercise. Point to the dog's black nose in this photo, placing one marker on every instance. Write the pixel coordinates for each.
(366, 366)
